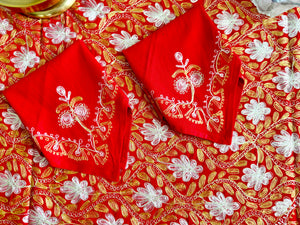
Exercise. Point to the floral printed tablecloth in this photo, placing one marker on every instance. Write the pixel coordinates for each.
(170, 178)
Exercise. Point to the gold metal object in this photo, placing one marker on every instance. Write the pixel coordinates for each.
(55, 10)
(20, 3)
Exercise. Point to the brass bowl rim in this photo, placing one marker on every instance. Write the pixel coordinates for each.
(20, 3)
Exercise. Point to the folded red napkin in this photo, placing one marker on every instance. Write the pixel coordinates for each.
(79, 119)
(192, 78)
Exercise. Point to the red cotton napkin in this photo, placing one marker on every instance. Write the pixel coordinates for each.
(193, 79)
(79, 119)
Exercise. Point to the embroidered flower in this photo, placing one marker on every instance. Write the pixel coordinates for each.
(155, 132)
(256, 111)
(132, 100)
(66, 119)
(40, 217)
(110, 220)
(259, 50)
(24, 59)
(149, 197)
(130, 160)
(228, 22)
(287, 80)
(157, 15)
(181, 85)
(11, 118)
(76, 191)
(101, 62)
(236, 141)
(290, 24)
(82, 111)
(11, 183)
(5, 26)
(196, 78)
(185, 169)
(220, 206)
(256, 177)
(92, 10)
(281, 207)
(123, 40)
(286, 144)
(37, 158)
(181, 222)
(58, 33)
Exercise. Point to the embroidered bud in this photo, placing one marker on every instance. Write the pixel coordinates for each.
(178, 56)
(61, 90)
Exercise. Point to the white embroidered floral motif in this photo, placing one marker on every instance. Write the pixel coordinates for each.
(181, 222)
(101, 62)
(37, 158)
(11, 183)
(24, 59)
(256, 111)
(38, 216)
(256, 176)
(281, 207)
(123, 40)
(132, 100)
(220, 206)
(149, 197)
(5, 26)
(235, 143)
(259, 50)
(157, 15)
(92, 10)
(58, 33)
(181, 85)
(290, 24)
(76, 191)
(228, 22)
(185, 169)
(110, 220)
(155, 132)
(287, 80)
(11, 118)
(286, 144)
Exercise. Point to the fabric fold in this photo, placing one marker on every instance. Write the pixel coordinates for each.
(80, 120)
(194, 79)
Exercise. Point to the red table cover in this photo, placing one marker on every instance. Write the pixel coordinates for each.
(192, 77)
(80, 121)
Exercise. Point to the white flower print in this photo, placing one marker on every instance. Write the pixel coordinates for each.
(66, 119)
(101, 62)
(76, 191)
(38, 216)
(11, 118)
(287, 80)
(58, 33)
(286, 144)
(290, 24)
(228, 22)
(132, 100)
(256, 177)
(92, 10)
(259, 50)
(149, 197)
(281, 207)
(5, 26)
(110, 220)
(155, 132)
(256, 111)
(123, 40)
(11, 183)
(185, 168)
(220, 206)
(24, 59)
(130, 160)
(181, 85)
(181, 222)
(81, 111)
(157, 15)
(236, 141)
(37, 158)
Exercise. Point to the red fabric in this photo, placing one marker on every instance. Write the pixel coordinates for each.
(193, 79)
(79, 120)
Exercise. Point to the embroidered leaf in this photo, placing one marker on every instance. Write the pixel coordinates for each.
(178, 56)
(74, 100)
